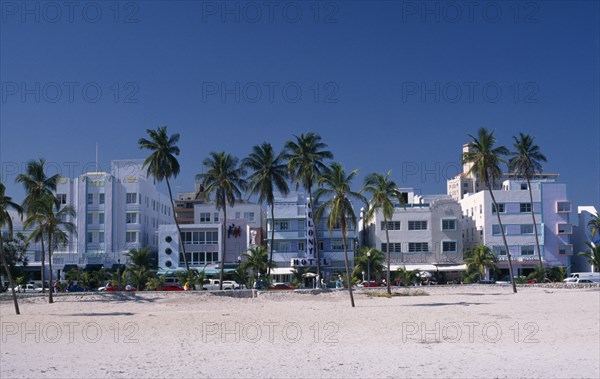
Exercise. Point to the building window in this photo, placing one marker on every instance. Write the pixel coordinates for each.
(282, 246)
(337, 245)
(418, 247)
(90, 198)
(204, 217)
(448, 246)
(90, 237)
(238, 215)
(216, 217)
(523, 186)
(101, 198)
(563, 206)
(499, 250)
(391, 225)
(448, 224)
(526, 228)
(565, 229)
(62, 198)
(131, 198)
(565, 249)
(496, 230)
(417, 225)
(525, 207)
(131, 218)
(90, 218)
(281, 225)
(395, 247)
(101, 237)
(131, 237)
(301, 246)
(249, 216)
(101, 218)
(501, 208)
(527, 250)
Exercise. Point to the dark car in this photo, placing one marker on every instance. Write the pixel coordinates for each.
(75, 288)
(281, 286)
(170, 287)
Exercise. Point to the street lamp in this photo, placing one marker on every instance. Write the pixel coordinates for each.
(119, 273)
(369, 267)
(363, 273)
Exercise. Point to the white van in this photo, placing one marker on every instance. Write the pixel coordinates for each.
(579, 277)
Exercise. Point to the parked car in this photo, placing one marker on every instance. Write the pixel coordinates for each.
(28, 288)
(213, 285)
(75, 288)
(372, 283)
(281, 286)
(170, 287)
(128, 288)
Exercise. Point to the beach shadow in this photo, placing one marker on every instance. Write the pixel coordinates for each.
(463, 303)
(102, 314)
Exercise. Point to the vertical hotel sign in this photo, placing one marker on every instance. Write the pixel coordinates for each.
(310, 231)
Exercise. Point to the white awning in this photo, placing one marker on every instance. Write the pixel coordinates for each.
(430, 267)
(281, 271)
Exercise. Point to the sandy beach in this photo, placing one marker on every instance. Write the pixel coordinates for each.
(458, 331)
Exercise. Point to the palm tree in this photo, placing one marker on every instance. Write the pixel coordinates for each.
(268, 172)
(383, 192)
(369, 259)
(335, 186)
(257, 261)
(162, 164)
(593, 256)
(479, 258)
(306, 158)
(526, 162)
(226, 180)
(6, 203)
(594, 226)
(407, 277)
(51, 225)
(37, 186)
(139, 266)
(485, 160)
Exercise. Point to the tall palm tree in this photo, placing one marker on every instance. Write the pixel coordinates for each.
(526, 162)
(369, 259)
(257, 261)
(306, 157)
(140, 265)
(594, 226)
(6, 203)
(268, 172)
(335, 187)
(479, 258)
(162, 164)
(51, 224)
(593, 256)
(37, 186)
(384, 192)
(486, 160)
(225, 178)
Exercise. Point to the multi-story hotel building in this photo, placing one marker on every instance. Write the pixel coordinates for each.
(425, 233)
(581, 235)
(291, 245)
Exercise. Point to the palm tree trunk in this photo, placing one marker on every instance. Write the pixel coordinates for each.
(510, 268)
(50, 286)
(389, 256)
(11, 283)
(43, 267)
(272, 240)
(315, 223)
(347, 268)
(181, 244)
(224, 243)
(537, 241)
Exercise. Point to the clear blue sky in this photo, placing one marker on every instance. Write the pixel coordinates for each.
(400, 83)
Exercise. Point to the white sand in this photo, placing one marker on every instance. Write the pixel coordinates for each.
(540, 332)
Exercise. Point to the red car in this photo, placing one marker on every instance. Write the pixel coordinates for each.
(372, 283)
(170, 287)
(115, 288)
(281, 286)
